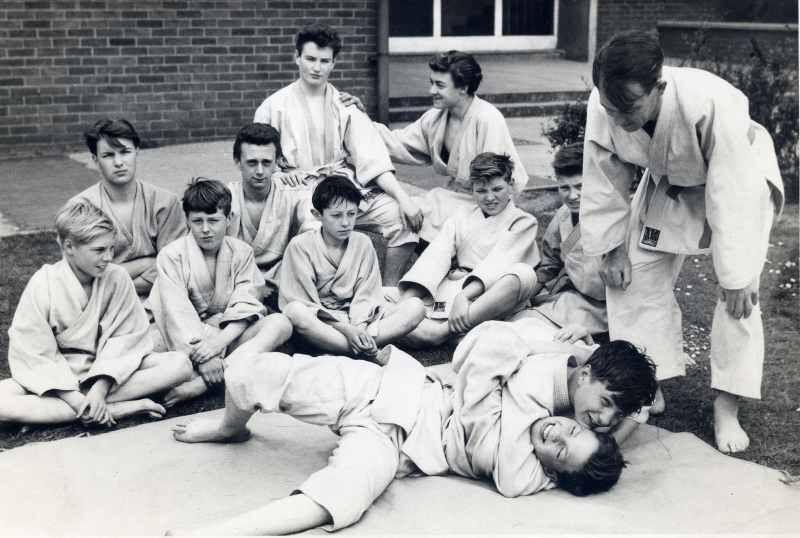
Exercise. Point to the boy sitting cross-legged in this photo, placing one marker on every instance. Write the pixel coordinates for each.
(492, 419)
(205, 299)
(79, 345)
(330, 282)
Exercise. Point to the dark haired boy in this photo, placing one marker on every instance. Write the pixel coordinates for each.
(493, 420)
(205, 299)
(480, 266)
(713, 186)
(146, 217)
(265, 214)
(459, 126)
(322, 136)
(330, 283)
(569, 291)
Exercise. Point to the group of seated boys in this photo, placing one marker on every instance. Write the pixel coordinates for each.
(138, 311)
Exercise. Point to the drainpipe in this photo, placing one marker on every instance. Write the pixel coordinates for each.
(383, 61)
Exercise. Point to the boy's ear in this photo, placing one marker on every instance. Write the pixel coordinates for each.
(586, 373)
(316, 213)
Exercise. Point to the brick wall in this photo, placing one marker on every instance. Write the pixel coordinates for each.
(618, 15)
(179, 70)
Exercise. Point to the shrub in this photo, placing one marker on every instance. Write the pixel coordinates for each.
(568, 126)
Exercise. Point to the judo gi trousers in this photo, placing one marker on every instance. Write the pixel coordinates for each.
(647, 314)
(330, 391)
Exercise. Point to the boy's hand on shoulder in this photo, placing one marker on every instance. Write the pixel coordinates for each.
(294, 178)
(348, 100)
(212, 371)
(573, 333)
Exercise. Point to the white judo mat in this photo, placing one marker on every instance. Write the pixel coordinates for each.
(139, 481)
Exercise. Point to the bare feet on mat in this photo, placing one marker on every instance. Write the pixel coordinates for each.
(145, 406)
(185, 391)
(728, 432)
(208, 431)
(659, 404)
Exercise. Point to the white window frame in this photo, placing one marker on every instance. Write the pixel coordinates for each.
(485, 43)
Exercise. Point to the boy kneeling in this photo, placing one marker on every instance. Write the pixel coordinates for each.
(493, 421)
(330, 282)
(205, 299)
(78, 345)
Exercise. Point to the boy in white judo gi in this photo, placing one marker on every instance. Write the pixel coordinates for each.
(330, 281)
(713, 187)
(321, 136)
(265, 214)
(205, 300)
(493, 420)
(569, 291)
(480, 266)
(146, 217)
(79, 347)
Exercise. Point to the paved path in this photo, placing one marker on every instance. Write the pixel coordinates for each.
(33, 189)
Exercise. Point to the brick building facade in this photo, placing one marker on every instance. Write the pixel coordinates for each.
(179, 70)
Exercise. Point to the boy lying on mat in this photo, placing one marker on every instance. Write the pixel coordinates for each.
(494, 421)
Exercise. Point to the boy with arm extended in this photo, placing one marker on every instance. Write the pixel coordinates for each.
(205, 300)
(321, 136)
(265, 214)
(494, 422)
(480, 266)
(569, 291)
(330, 283)
(146, 217)
(79, 347)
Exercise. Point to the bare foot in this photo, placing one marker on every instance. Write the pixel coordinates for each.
(185, 391)
(383, 356)
(728, 432)
(208, 431)
(145, 406)
(659, 404)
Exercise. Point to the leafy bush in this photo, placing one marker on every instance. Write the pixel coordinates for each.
(769, 79)
(568, 126)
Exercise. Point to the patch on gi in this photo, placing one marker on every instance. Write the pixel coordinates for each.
(650, 236)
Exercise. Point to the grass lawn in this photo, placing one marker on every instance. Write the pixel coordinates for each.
(773, 423)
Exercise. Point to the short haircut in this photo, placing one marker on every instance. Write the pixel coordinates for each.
(334, 188)
(569, 160)
(628, 57)
(599, 474)
(82, 222)
(110, 131)
(258, 134)
(627, 372)
(463, 68)
(320, 34)
(206, 196)
(487, 166)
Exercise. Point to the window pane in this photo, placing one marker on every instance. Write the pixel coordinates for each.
(460, 18)
(411, 18)
(528, 17)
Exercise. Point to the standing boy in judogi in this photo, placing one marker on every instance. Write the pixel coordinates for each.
(205, 300)
(480, 266)
(265, 214)
(79, 347)
(569, 291)
(330, 281)
(321, 136)
(146, 217)
(713, 186)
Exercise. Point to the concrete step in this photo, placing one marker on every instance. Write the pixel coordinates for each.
(509, 110)
(498, 98)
